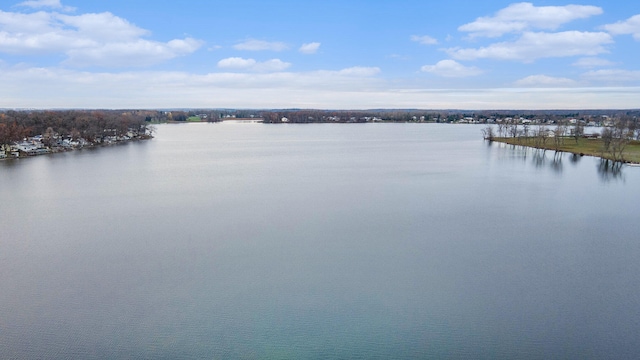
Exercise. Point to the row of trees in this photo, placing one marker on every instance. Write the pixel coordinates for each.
(92, 126)
(615, 137)
(539, 134)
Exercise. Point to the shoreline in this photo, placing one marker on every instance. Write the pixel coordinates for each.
(584, 147)
(61, 149)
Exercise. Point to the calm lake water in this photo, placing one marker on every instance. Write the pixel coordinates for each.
(328, 241)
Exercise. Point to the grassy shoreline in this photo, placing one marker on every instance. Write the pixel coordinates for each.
(583, 146)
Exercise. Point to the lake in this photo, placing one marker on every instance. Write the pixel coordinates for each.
(320, 241)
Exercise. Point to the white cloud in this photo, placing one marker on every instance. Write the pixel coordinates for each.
(537, 45)
(259, 45)
(102, 27)
(136, 53)
(360, 71)
(101, 39)
(544, 81)
(592, 62)
(525, 16)
(451, 68)
(238, 63)
(272, 65)
(54, 4)
(310, 48)
(424, 39)
(613, 75)
(629, 26)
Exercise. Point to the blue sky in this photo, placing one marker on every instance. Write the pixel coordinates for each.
(320, 54)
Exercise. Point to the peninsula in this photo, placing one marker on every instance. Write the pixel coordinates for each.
(618, 140)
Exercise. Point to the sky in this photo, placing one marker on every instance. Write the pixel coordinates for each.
(320, 54)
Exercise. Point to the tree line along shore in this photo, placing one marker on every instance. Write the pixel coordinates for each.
(617, 140)
(32, 132)
(27, 133)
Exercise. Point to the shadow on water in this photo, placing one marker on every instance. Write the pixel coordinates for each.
(575, 158)
(9, 162)
(540, 160)
(610, 170)
(556, 162)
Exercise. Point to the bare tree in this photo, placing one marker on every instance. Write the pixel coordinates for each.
(513, 128)
(501, 128)
(615, 140)
(578, 131)
(525, 130)
(540, 138)
(48, 138)
(607, 137)
(487, 133)
(558, 135)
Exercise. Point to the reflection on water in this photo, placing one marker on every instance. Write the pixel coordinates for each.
(553, 162)
(610, 170)
(607, 170)
(556, 162)
(575, 158)
(10, 162)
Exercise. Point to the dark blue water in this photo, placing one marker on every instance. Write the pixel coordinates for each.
(320, 242)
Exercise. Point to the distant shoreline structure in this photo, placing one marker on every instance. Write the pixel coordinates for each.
(31, 148)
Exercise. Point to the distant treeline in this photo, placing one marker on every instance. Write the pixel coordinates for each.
(93, 125)
(441, 116)
(357, 116)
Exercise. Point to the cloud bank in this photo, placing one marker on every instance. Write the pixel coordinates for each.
(238, 63)
(537, 45)
(525, 16)
(631, 26)
(544, 81)
(100, 39)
